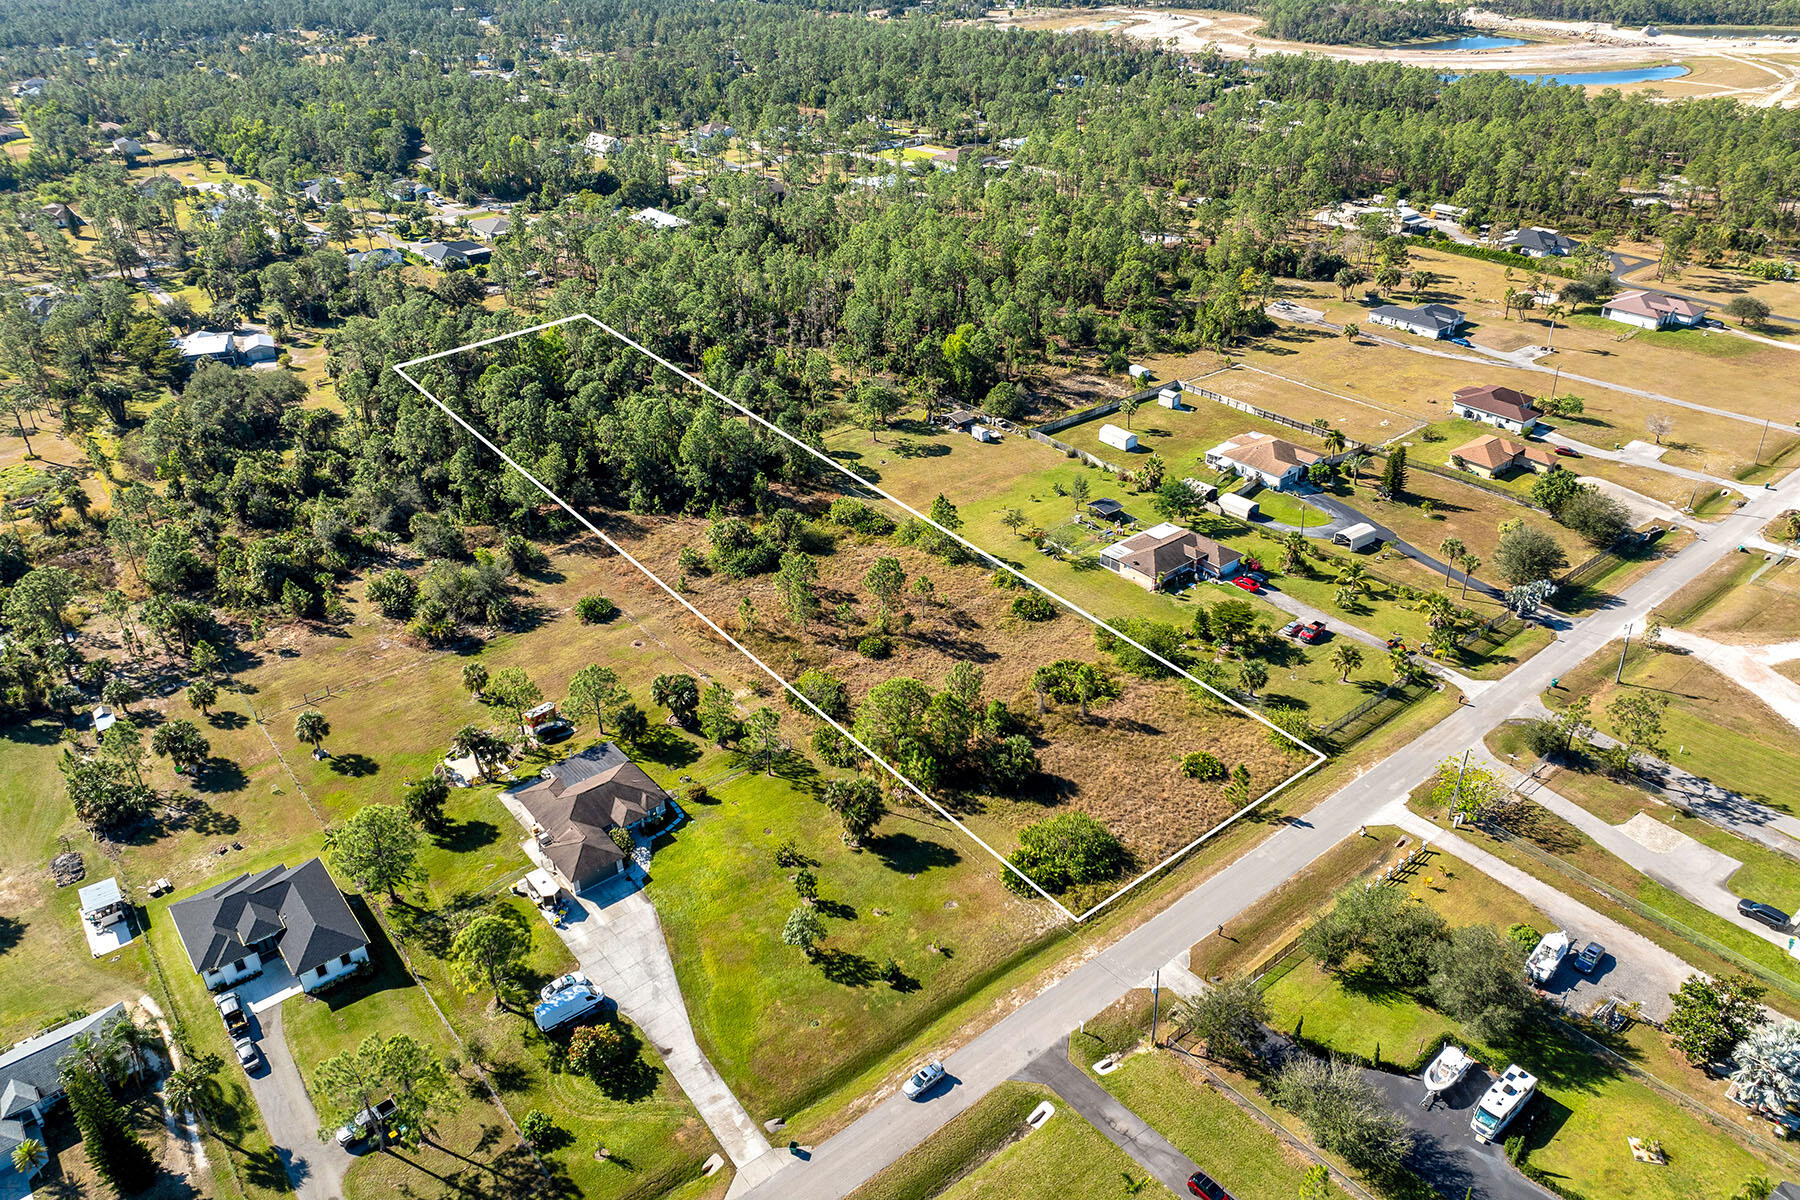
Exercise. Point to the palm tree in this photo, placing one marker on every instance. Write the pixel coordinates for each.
(1350, 331)
(189, 1090)
(1128, 407)
(29, 1157)
(1346, 658)
(1469, 564)
(1451, 548)
(1334, 441)
(311, 726)
(1293, 548)
(1354, 577)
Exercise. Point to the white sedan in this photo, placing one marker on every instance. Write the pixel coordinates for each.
(923, 1080)
(248, 1055)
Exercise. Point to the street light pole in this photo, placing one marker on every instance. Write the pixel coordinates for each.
(1619, 676)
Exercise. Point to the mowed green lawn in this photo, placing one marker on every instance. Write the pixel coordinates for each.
(1711, 726)
(784, 1029)
(1066, 1157)
(1202, 1122)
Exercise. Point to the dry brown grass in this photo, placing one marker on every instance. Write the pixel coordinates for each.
(1120, 765)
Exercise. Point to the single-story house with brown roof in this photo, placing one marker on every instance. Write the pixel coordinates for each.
(1502, 407)
(576, 803)
(1276, 462)
(1653, 310)
(1491, 456)
(1168, 554)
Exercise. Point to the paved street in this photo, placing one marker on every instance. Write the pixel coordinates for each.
(1122, 1127)
(895, 1126)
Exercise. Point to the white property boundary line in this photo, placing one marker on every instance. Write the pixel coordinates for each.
(1318, 757)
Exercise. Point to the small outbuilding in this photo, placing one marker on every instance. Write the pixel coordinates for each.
(982, 433)
(1118, 439)
(1107, 509)
(1140, 371)
(103, 903)
(1241, 507)
(1358, 536)
(1170, 397)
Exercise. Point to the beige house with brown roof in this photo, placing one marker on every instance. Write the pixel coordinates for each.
(1168, 554)
(575, 804)
(1491, 457)
(1276, 462)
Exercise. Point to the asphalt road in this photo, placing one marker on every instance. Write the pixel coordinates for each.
(895, 1126)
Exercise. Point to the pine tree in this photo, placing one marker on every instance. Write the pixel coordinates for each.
(118, 1155)
(1393, 474)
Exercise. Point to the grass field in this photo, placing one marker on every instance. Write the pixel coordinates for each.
(1688, 368)
(1743, 599)
(1711, 726)
(1067, 1157)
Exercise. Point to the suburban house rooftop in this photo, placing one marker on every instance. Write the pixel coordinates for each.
(300, 906)
(1493, 453)
(1267, 453)
(578, 800)
(1656, 305)
(1500, 401)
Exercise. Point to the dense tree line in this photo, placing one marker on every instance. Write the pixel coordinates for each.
(1358, 22)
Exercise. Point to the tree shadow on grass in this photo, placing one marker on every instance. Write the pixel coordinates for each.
(356, 766)
(911, 855)
(227, 718)
(220, 775)
(461, 837)
(664, 746)
(846, 968)
(836, 909)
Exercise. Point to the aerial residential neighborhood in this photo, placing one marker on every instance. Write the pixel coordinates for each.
(711, 601)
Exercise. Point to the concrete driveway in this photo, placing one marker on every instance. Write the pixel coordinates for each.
(316, 1168)
(614, 933)
(1447, 1155)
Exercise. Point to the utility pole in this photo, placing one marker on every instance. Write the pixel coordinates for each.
(1155, 1005)
(1759, 442)
(1456, 792)
(1619, 676)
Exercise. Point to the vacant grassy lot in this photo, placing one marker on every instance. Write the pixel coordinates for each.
(784, 1029)
(1744, 599)
(1364, 420)
(1711, 726)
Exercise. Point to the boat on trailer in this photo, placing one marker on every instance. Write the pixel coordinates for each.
(1445, 1072)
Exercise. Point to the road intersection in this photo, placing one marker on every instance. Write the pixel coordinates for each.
(895, 1126)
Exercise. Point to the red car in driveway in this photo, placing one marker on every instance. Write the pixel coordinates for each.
(1568, 452)
(1203, 1185)
(1245, 582)
(1310, 632)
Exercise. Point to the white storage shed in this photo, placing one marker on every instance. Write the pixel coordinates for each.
(1170, 397)
(1118, 439)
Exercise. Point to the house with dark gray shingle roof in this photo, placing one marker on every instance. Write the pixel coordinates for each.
(31, 1080)
(297, 917)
